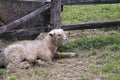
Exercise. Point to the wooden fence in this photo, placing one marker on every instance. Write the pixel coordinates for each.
(6, 31)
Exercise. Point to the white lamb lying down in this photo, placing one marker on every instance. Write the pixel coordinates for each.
(23, 54)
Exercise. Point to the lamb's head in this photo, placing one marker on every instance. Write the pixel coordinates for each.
(58, 37)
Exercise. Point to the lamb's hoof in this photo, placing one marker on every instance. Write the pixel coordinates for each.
(39, 62)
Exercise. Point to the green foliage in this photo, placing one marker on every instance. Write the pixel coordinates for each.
(88, 43)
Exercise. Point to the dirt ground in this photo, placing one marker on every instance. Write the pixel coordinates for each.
(79, 68)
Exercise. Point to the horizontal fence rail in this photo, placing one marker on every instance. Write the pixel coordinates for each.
(36, 31)
(74, 2)
(36, 0)
(92, 25)
(18, 34)
(71, 2)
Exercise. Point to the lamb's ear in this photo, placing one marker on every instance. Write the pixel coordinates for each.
(51, 33)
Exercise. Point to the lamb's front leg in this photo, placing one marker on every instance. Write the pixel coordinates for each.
(39, 62)
(43, 63)
(65, 55)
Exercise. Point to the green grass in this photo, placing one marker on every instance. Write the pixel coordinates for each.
(11, 78)
(112, 64)
(111, 68)
(114, 77)
(83, 13)
(108, 46)
(38, 72)
(95, 70)
(5, 72)
(88, 43)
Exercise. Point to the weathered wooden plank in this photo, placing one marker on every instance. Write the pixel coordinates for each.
(30, 33)
(36, 31)
(68, 2)
(71, 2)
(24, 19)
(36, 0)
(55, 18)
(92, 25)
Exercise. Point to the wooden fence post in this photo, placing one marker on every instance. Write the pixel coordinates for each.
(55, 18)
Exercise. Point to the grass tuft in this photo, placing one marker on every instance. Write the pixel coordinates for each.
(88, 43)
(5, 72)
(114, 77)
(39, 73)
(11, 78)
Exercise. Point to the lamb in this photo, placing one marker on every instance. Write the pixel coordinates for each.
(23, 54)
